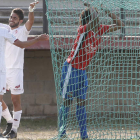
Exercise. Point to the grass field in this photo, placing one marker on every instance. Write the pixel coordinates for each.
(35, 129)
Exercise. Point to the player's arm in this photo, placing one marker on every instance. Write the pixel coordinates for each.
(25, 44)
(118, 23)
(30, 20)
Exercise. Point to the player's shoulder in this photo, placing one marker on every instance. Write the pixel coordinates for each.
(21, 27)
(5, 26)
(2, 29)
(81, 29)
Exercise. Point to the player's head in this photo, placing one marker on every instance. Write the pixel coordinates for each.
(85, 17)
(89, 14)
(16, 18)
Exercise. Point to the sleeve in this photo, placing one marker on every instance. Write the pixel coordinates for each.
(103, 28)
(8, 36)
(24, 30)
(5, 26)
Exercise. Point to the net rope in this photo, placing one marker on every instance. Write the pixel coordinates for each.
(112, 98)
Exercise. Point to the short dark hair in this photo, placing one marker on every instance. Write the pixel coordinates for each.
(85, 17)
(19, 12)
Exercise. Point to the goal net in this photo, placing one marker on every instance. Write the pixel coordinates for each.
(112, 103)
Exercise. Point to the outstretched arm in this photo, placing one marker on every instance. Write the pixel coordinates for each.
(94, 23)
(25, 44)
(118, 23)
(30, 20)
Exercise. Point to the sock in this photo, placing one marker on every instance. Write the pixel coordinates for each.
(63, 114)
(81, 117)
(6, 114)
(16, 120)
(0, 111)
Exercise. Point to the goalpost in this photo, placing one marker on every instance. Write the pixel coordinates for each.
(113, 100)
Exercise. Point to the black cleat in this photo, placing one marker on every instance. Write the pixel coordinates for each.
(8, 129)
(11, 135)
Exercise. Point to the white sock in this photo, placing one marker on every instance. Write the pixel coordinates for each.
(6, 114)
(16, 120)
(0, 111)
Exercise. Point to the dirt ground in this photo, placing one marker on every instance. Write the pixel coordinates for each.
(36, 129)
(46, 129)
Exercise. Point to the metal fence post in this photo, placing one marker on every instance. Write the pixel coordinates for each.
(122, 10)
(45, 21)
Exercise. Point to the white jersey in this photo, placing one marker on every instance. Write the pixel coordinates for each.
(14, 56)
(5, 26)
(5, 36)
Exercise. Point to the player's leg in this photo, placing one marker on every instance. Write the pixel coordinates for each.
(2, 91)
(17, 111)
(7, 115)
(81, 109)
(82, 117)
(16, 87)
(67, 95)
(16, 116)
(63, 114)
(1, 96)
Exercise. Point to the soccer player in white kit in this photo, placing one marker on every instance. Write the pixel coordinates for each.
(14, 67)
(6, 36)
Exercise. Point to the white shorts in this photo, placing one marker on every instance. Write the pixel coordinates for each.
(2, 83)
(14, 81)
